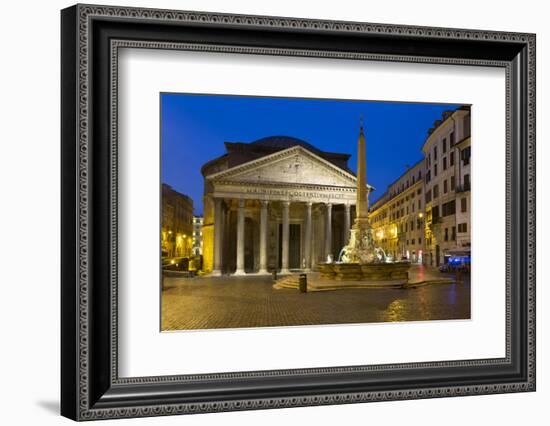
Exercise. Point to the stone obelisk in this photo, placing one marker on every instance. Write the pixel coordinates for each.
(362, 206)
(360, 248)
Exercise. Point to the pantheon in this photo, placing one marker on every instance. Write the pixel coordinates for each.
(277, 203)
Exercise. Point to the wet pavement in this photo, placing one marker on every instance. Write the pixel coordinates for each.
(236, 302)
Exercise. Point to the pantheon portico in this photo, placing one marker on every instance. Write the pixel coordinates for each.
(275, 204)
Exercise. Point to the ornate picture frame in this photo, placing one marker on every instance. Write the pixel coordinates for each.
(90, 38)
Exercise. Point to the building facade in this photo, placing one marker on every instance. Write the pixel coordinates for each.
(425, 215)
(197, 235)
(277, 203)
(397, 217)
(177, 223)
(447, 154)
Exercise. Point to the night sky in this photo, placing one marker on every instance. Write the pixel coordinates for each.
(195, 127)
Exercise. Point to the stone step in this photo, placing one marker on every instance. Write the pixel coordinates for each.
(317, 283)
(290, 281)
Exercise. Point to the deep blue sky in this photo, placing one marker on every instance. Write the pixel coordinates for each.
(195, 127)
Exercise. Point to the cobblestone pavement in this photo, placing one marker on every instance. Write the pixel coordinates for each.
(235, 302)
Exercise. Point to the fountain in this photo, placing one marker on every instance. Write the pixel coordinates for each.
(360, 259)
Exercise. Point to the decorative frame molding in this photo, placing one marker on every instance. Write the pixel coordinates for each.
(91, 37)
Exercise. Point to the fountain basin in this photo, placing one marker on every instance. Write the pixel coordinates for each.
(365, 272)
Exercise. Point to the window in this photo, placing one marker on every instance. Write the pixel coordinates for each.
(420, 241)
(435, 153)
(445, 186)
(466, 126)
(428, 196)
(436, 191)
(466, 182)
(463, 205)
(462, 227)
(435, 170)
(446, 234)
(419, 205)
(435, 213)
(454, 233)
(412, 242)
(444, 163)
(406, 227)
(452, 139)
(452, 183)
(452, 158)
(448, 208)
(412, 225)
(444, 145)
(428, 176)
(465, 154)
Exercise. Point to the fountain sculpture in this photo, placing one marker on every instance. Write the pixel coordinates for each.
(360, 259)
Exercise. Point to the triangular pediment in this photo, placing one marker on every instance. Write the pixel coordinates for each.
(295, 165)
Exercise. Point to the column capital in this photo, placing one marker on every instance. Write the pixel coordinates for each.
(329, 205)
(309, 204)
(347, 206)
(286, 204)
(264, 203)
(241, 202)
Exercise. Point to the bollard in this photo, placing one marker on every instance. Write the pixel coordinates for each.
(302, 283)
(274, 274)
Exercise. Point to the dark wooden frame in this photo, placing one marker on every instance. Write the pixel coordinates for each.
(90, 386)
